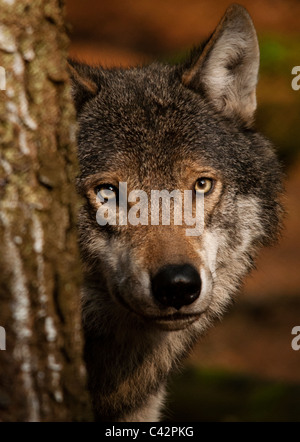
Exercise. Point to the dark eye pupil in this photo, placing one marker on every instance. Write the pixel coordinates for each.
(202, 183)
(104, 187)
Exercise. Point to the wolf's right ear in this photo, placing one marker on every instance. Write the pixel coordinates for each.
(226, 70)
(84, 83)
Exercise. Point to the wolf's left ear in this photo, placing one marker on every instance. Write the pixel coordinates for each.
(84, 82)
(226, 71)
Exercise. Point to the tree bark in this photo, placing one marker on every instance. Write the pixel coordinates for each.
(42, 376)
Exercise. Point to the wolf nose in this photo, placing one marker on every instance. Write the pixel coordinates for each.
(176, 285)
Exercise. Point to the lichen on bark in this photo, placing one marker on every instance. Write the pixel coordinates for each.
(42, 377)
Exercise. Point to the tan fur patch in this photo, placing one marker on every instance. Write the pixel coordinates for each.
(85, 82)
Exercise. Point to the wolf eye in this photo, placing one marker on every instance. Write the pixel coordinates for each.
(204, 185)
(106, 191)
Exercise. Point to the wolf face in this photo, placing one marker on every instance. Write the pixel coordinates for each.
(163, 127)
(184, 127)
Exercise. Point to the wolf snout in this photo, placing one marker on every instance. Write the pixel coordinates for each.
(176, 285)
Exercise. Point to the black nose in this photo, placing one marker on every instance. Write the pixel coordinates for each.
(176, 285)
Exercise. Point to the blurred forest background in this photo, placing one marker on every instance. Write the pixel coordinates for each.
(245, 368)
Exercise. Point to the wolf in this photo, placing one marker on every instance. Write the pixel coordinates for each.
(150, 291)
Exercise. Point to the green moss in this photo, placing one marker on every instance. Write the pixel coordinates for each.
(279, 53)
(214, 395)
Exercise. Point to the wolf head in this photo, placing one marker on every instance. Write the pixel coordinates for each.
(186, 127)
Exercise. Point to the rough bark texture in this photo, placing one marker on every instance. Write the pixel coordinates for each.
(42, 377)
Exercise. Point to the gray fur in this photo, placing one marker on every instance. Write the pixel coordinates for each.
(153, 126)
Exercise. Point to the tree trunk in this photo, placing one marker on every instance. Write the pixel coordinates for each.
(42, 376)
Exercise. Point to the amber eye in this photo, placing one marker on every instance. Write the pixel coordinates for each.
(204, 185)
(106, 191)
